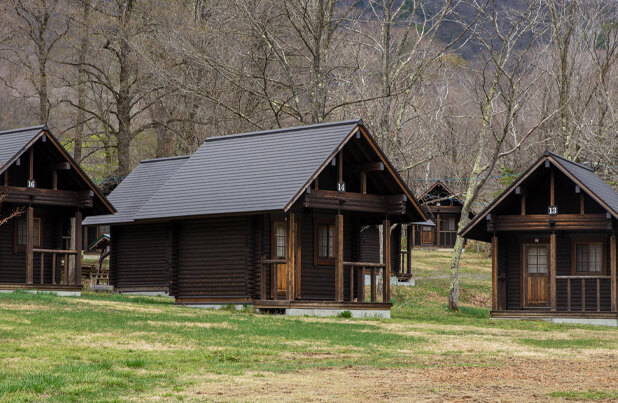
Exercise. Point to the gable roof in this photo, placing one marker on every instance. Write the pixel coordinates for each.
(137, 188)
(436, 185)
(239, 174)
(581, 175)
(14, 143)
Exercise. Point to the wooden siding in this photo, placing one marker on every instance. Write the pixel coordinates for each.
(139, 256)
(212, 258)
(13, 264)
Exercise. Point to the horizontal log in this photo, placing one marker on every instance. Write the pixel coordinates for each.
(59, 251)
(583, 277)
(371, 166)
(51, 197)
(326, 199)
(546, 222)
(364, 264)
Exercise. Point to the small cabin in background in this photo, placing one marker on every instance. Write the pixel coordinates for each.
(553, 237)
(285, 220)
(443, 208)
(41, 247)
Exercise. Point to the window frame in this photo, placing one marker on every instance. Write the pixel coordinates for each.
(17, 247)
(324, 260)
(273, 239)
(588, 241)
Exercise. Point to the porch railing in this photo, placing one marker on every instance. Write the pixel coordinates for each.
(583, 282)
(271, 265)
(361, 268)
(64, 254)
(405, 266)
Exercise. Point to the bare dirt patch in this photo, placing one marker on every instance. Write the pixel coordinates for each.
(517, 380)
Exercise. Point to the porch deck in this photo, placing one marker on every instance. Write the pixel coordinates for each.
(61, 289)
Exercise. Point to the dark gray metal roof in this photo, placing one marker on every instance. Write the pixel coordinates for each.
(590, 182)
(137, 188)
(14, 141)
(250, 172)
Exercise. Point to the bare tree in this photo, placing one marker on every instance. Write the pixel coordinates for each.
(35, 30)
(502, 87)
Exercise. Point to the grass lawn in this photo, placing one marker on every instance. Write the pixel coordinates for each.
(116, 348)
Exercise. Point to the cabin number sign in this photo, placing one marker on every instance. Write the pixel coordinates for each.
(552, 210)
(31, 184)
(341, 187)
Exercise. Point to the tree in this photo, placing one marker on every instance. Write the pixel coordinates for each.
(502, 88)
(36, 29)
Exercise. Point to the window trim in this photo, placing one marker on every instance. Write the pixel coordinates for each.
(317, 259)
(273, 239)
(588, 241)
(21, 248)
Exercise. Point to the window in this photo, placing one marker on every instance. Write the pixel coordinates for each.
(324, 242)
(21, 232)
(588, 257)
(448, 224)
(280, 238)
(537, 259)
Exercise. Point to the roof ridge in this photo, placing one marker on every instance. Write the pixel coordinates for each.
(23, 129)
(553, 154)
(178, 157)
(283, 129)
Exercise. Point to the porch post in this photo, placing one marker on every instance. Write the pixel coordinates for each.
(339, 259)
(612, 271)
(78, 248)
(410, 246)
(386, 233)
(552, 271)
(289, 280)
(438, 230)
(494, 272)
(29, 245)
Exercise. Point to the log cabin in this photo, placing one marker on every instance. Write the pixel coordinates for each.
(443, 207)
(553, 242)
(287, 220)
(41, 248)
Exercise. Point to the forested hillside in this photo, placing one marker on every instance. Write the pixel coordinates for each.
(452, 89)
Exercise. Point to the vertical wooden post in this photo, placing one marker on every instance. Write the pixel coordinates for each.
(374, 290)
(289, 279)
(438, 230)
(340, 167)
(352, 283)
(53, 268)
(29, 245)
(386, 232)
(361, 291)
(31, 168)
(363, 176)
(494, 273)
(55, 179)
(410, 245)
(339, 259)
(612, 272)
(552, 193)
(77, 279)
(552, 271)
(523, 204)
(42, 269)
(581, 204)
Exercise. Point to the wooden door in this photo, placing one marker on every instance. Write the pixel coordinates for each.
(427, 235)
(279, 247)
(536, 274)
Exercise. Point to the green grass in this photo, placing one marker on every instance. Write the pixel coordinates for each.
(585, 395)
(114, 347)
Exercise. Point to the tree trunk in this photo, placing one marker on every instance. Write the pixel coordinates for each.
(81, 86)
(124, 95)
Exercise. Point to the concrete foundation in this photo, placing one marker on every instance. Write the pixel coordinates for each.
(356, 313)
(574, 321)
(408, 283)
(58, 293)
(145, 293)
(238, 307)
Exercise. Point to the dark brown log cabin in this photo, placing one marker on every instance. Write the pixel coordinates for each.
(284, 219)
(42, 248)
(553, 244)
(443, 208)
